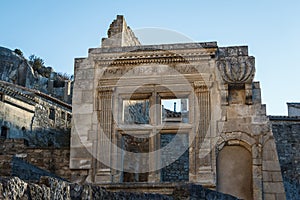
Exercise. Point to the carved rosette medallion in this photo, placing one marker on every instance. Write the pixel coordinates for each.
(237, 70)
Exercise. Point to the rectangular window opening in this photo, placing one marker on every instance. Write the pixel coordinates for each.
(175, 110)
(136, 111)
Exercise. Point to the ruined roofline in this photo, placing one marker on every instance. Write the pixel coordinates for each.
(14, 88)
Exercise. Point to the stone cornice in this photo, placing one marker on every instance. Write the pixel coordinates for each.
(149, 56)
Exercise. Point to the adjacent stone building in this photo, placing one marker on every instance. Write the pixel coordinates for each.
(156, 115)
(39, 119)
(286, 130)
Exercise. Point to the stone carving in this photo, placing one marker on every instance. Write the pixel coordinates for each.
(235, 70)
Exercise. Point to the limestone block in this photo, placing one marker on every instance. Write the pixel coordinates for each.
(87, 74)
(87, 96)
(258, 129)
(77, 96)
(76, 141)
(271, 166)
(82, 63)
(269, 155)
(237, 111)
(273, 187)
(85, 121)
(84, 84)
(281, 196)
(270, 197)
(83, 108)
(92, 135)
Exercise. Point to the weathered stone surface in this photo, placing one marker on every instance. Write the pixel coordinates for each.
(50, 188)
(119, 34)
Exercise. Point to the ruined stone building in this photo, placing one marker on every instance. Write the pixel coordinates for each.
(159, 115)
(149, 118)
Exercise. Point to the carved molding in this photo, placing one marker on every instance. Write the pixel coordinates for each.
(235, 70)
(200, 86)
(148, 70)
(105, 89)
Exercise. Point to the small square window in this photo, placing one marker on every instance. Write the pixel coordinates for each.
(175, 110)
(63, 115)
(69, 117)
(136, 111)
(4, 132)
(52, 113)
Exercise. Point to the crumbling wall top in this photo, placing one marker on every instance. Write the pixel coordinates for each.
(119, 34)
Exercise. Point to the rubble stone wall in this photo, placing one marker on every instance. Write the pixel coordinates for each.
(287, 136)
(53, 160)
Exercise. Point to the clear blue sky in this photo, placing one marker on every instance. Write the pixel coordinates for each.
(59, 31)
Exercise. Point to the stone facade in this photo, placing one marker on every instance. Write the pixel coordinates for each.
(36, 117)
(223, 111)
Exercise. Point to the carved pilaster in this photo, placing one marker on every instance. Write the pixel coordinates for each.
(105, 127)
(203, 162)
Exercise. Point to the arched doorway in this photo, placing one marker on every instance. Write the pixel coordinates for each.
(234, 172)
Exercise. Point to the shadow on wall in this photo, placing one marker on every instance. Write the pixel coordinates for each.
(26, 171)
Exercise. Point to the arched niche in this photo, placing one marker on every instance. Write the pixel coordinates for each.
(234, 171)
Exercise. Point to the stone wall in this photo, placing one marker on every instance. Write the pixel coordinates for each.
(27, 171)
(286, 131)
(178, 170)
(53, 160)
